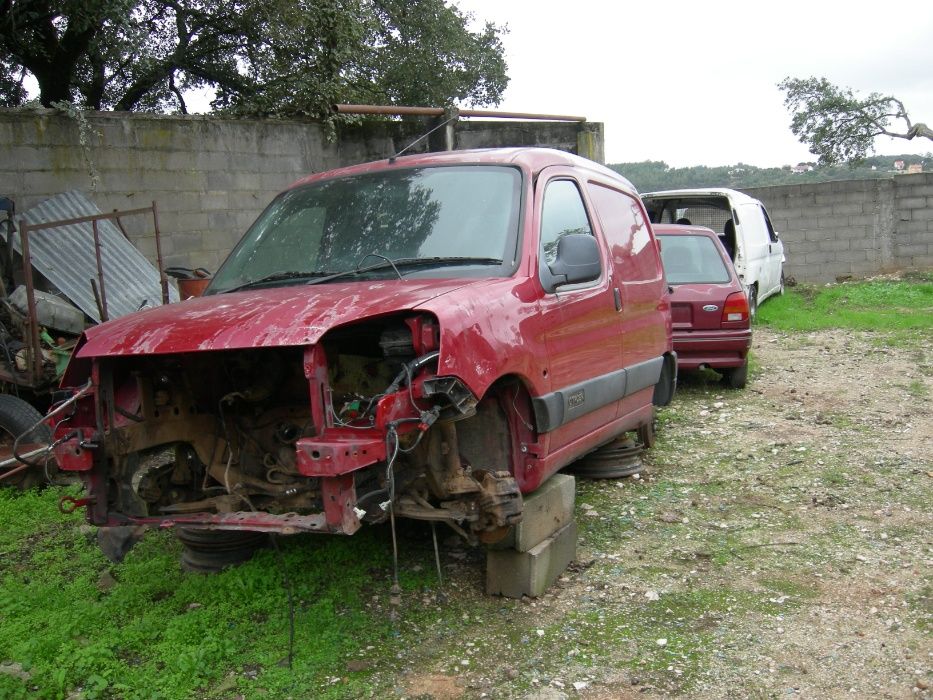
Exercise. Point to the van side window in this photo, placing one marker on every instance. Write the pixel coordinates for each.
(771, 234)
(562, 213)
(623, 223)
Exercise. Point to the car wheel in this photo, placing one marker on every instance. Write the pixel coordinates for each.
(16, 417)
(735, 377)
(781, 288)
(210, 551)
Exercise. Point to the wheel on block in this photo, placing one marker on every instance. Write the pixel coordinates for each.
(210, 551)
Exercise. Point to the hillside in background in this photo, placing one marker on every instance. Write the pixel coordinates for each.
(650, 175)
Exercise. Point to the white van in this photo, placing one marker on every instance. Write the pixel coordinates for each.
(744, 228)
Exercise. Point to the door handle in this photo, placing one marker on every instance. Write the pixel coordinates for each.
(618, 297)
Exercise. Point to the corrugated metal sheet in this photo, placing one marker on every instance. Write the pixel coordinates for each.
(65, 256)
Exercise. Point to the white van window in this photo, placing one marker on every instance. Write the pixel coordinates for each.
(562, 213)
(771, 234)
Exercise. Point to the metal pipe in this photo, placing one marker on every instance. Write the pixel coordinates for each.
(13, 460)
(87, 219)
(439, 112)
(104, 316)
(35, 351)
(163, 280)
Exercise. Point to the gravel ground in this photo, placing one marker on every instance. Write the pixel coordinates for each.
(778, 544)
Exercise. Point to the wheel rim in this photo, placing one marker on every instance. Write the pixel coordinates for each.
(619, 458)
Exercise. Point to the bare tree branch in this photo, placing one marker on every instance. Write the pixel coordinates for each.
(837, 125)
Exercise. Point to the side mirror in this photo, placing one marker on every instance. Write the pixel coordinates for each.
(577, 259)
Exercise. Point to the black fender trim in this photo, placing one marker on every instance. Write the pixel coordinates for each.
(569, 403)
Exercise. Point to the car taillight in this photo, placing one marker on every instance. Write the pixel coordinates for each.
(735, 308)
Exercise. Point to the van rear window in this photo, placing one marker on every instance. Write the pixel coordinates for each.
(692, 260)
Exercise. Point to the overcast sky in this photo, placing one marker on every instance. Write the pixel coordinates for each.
(694, 83)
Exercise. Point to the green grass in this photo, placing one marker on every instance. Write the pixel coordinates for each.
(888, 305)
(162, 633)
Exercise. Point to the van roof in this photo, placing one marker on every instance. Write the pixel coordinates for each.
(736, 196)
(533, 160)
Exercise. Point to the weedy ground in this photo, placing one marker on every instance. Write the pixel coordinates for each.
(778, 544)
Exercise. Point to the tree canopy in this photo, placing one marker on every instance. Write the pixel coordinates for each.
(650, 176)
(281, 57)
(839, 126)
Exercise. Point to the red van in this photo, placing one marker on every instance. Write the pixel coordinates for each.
(712, 327)
(430, 336)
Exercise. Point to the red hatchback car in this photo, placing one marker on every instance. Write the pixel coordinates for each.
(709, 306)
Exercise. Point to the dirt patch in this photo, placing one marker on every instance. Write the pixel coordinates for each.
(434, 686)
(778, 545)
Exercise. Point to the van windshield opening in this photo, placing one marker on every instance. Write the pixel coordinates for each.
(464, 217)
(692, 260)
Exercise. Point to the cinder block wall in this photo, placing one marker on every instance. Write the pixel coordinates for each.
(853, 227)
(212, 177)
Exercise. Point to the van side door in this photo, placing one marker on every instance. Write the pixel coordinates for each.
(754, 242)
(580, 322)
(637, 271)
(775, 254)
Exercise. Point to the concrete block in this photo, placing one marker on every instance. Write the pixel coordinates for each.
(833, 244)
(851, 256)
(863, 244)
(844, 209)
(857, 231)
(819, 257)
(513, 574)
(925, 190)
(913, 250)
(921, 214)
(829, 222)
(913, 227)
(544, 512)
(912, 203)
(832, 270)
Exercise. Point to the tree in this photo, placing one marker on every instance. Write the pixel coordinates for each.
(282, 57)
(840, 127)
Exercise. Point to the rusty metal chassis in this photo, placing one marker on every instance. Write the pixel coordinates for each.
(332, 456)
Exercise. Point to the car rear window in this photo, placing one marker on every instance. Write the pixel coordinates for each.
(692, 260)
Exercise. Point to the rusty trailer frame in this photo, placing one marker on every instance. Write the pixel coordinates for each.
(32, 340)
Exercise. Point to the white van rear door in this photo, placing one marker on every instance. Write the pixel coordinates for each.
(775, 262)
(754, 235)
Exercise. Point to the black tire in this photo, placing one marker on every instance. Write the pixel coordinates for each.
(16, 417)
(735, 377)
(781, 289)
(753, 302)
(667, 384)
(210, 551)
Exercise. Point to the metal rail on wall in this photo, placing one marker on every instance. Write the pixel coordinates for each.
(396, 111)
(34, 342)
